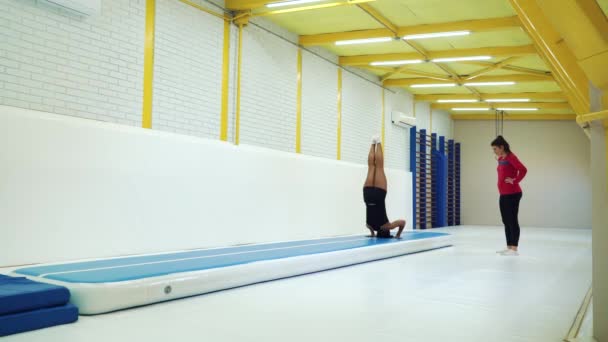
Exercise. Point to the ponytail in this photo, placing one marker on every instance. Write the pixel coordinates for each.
(500, 141)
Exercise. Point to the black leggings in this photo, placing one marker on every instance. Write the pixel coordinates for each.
(509, 208)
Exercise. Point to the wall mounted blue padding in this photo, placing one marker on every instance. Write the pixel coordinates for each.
(413, 166)
(422, 178)
(451, 180)
(440, 190)
(443, 198)
(457, 184)
(434, 180)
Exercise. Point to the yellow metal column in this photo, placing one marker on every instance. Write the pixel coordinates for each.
(605, 107)
(148, 64)
(299, 105)
(225, 76)
(339, 149)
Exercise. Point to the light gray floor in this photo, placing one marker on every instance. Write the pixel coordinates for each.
(462, 293)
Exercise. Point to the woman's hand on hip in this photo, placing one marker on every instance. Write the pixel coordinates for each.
(510, 180)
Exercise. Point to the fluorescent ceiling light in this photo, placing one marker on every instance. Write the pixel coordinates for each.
(517, 109)
(413, 61)
(438, 85)
(456, 101)
(507, 100)
(469, 109)
(473, 84)
(290, 3)
(436, 35)
(364, 41)
(458, 59)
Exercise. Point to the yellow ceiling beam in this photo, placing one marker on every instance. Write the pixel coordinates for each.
(405, 71)
(491, 68)
(500, 78)
(507, 51)
(367, 59)
(204, 9)
(245, 4)
(393, 28)
(539, 105)
(400, 70)
(531, 96)
(585, 118)
(480, 25)
(511, 68)
(558, 56)
(242, 5)
(330, 38)
(548, 74)
(380, 69)
(516, 117)
(595, 16)
(308, 8)
(491, 51)
(379, 17)
(583, 28)
(453, 75)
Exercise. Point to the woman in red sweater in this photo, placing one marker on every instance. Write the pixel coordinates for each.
(510, 173)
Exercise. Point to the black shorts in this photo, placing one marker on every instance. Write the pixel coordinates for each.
(375, 209)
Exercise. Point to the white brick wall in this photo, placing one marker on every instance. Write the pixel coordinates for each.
(232, 82)
(268, 90)
(55, 61)
(92, 67)
(319, 106)
(423, 116)
(187, 70)
(397, 139)
(361, 116)
(442, 123)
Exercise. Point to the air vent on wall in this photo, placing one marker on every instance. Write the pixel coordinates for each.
(401, 119)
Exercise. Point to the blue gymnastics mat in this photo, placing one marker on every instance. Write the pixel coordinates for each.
(37, 319)
(19, 294)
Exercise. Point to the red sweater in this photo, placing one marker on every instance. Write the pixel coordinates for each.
(510, 167)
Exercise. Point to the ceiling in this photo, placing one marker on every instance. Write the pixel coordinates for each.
(495, 32)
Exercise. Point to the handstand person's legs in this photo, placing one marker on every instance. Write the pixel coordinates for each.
(380, 177)
(371, 166)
